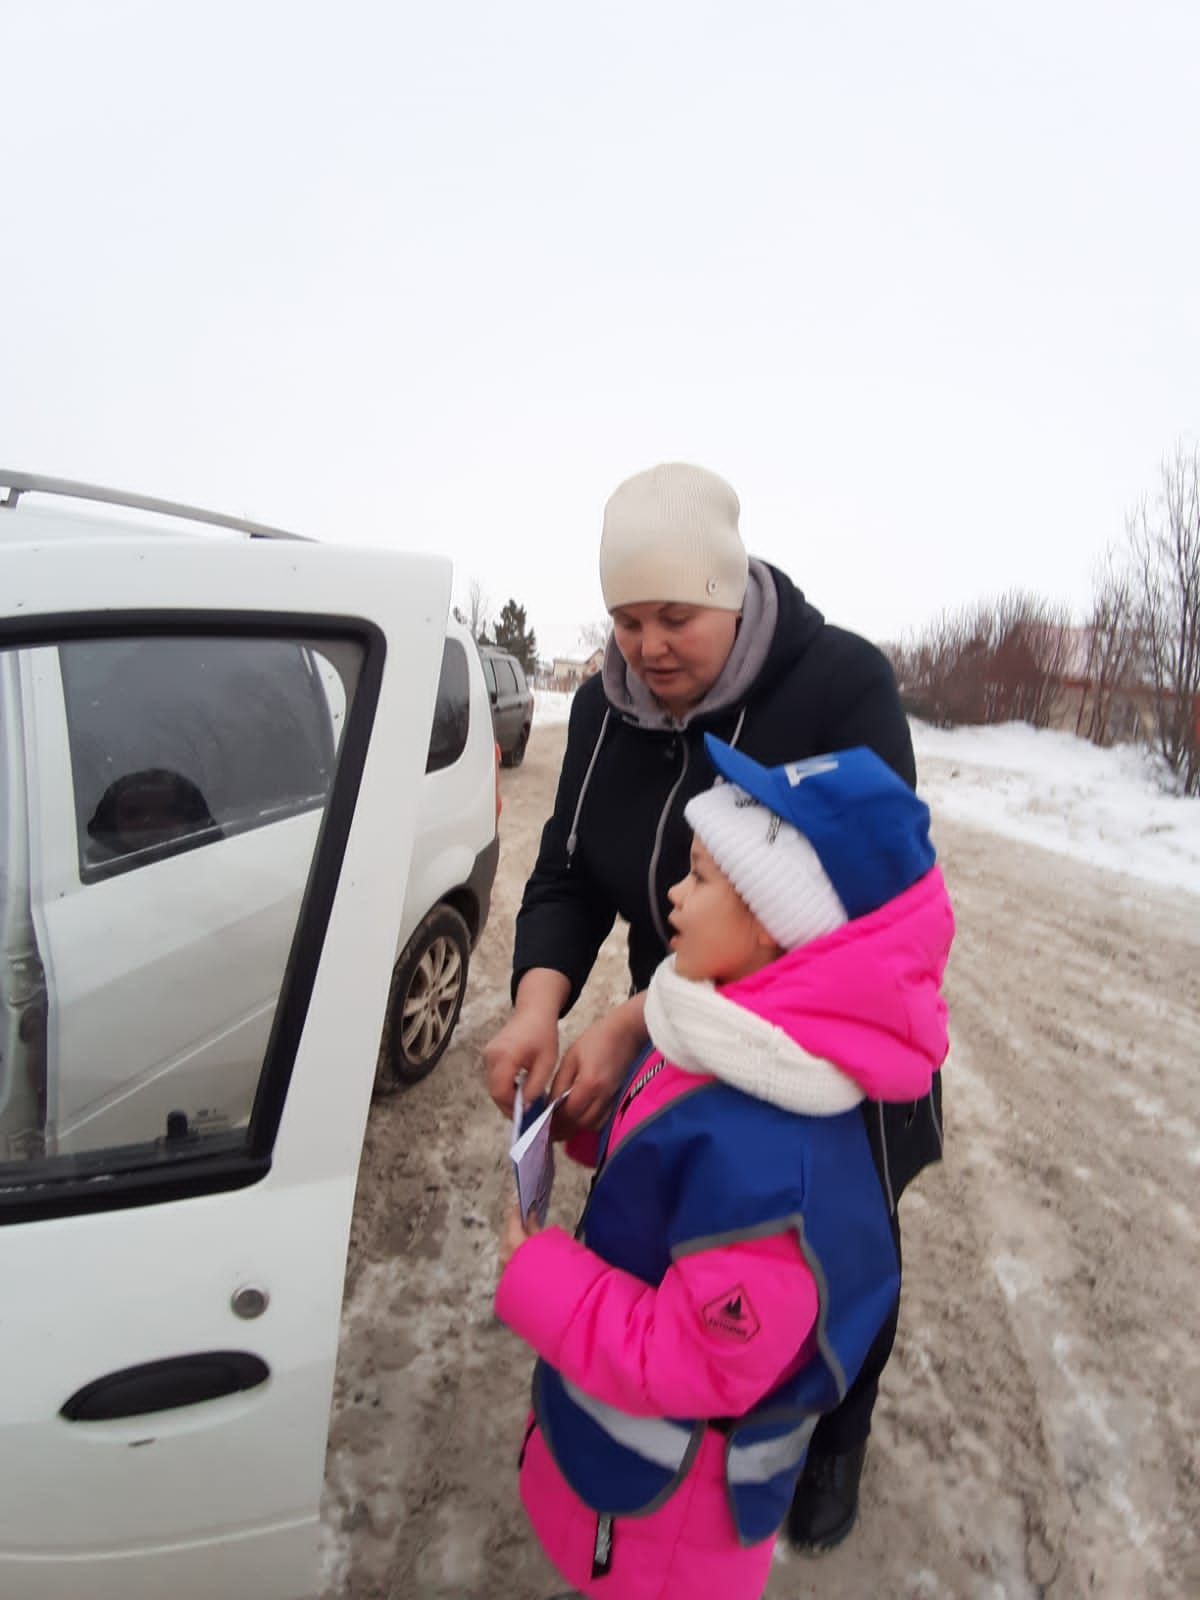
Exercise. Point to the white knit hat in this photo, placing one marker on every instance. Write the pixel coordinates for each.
(672, 534)
(772, 865)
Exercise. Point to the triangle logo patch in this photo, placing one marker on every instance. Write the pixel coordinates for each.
(732, 1315)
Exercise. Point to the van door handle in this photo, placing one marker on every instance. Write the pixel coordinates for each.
(165, 1385)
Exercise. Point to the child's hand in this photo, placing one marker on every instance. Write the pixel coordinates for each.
(514, 1234)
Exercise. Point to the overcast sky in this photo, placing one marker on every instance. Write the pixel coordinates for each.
(922, 280)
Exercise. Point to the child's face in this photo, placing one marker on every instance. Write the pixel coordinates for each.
(717, 936)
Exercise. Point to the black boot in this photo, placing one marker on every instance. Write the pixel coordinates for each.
(825, 1505)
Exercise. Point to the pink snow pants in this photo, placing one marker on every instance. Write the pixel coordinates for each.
(686, 1550)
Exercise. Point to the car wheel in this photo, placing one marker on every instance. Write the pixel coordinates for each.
(516, 755)
(428, 985)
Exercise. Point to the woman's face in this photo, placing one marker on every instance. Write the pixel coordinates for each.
(715, 934)
(677, 650)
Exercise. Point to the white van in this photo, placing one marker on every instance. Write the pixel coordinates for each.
(225, 805)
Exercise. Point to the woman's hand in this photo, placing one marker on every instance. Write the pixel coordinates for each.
(528, 1041)
(595, 1065)
(514, 1233)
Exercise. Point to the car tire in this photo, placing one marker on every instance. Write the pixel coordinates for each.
(428, 985)
(516, 755)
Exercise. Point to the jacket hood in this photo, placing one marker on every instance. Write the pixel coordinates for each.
(856, 1015)
(777, 626)
(867, 998)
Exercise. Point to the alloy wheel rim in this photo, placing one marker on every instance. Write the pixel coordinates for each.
(429, 1005)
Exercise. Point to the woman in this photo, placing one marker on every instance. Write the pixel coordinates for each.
(704, 640)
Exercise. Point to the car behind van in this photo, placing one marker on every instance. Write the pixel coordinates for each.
(511, 700)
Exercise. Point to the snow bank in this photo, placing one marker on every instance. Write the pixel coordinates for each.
(550, 707)
(1051, 789)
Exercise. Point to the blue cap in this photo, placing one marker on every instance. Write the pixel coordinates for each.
(868, 828)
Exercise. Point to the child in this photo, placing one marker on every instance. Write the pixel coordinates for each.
(736, 1258)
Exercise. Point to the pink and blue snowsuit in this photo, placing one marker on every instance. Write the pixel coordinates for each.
(732, 1267)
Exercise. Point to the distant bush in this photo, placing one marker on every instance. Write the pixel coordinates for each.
(1134, 665)
(998, 661)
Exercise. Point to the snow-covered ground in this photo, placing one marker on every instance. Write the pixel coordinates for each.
(550, 707)
(1046, 788)
(1051, 789)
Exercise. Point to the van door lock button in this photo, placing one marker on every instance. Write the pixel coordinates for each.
(249, 1302)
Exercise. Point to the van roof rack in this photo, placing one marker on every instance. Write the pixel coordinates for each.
(19, 483)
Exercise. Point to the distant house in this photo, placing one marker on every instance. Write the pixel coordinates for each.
(568, 672)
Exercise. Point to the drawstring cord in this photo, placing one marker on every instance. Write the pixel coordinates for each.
(573, 836)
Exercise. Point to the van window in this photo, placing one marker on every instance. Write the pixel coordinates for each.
(452, 713)
(505, 680)
(489, 673)
(178, 742)
(151, 964)
(522, 686)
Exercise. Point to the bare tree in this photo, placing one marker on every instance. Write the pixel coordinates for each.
(476, 617)
(998, 661)
(1165, 550)
(1107, 711)
(594, 635)
(1028, 642)
(934, 671)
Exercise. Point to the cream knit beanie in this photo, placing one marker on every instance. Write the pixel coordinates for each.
(772, 865)
(672, 534)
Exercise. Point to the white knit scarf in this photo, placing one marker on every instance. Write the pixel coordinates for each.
(701, 1031)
